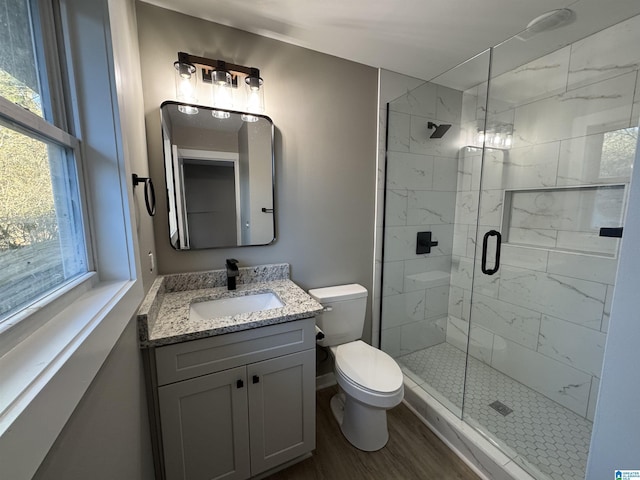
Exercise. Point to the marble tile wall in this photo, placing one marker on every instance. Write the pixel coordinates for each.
(421, 184)
(392, 85)
(543, 318)
(566, 214)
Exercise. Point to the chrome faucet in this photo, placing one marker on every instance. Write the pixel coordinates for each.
(232, 273)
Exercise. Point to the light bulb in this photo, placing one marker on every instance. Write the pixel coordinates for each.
(221, 114)
(185, 89)
(488, 138)
(187, 109)
(508, 141)
(222, 96)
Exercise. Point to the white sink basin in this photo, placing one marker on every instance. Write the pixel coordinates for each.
(224, 307)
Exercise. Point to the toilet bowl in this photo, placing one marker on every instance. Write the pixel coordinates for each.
(370, 381)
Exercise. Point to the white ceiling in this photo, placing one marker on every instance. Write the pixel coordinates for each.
(420, 38)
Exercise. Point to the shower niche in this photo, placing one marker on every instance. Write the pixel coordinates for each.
(564, 218)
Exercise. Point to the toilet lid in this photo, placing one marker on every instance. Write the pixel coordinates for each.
(368, 367)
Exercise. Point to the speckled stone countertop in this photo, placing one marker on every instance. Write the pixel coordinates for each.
(163, 317)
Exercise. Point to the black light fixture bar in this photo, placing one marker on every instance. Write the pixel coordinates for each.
(209, 65)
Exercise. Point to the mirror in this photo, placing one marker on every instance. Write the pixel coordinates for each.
(219, 169)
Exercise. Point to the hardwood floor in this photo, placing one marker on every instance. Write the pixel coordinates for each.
(413, 452)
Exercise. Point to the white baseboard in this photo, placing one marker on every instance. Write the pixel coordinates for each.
(326, 380)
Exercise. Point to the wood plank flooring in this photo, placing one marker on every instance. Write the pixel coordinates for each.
(413, 452)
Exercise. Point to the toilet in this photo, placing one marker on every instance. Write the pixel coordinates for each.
(371, 381)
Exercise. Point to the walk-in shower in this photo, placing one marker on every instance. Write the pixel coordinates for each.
(505, 320)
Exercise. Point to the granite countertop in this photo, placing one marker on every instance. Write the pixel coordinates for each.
(163, 317)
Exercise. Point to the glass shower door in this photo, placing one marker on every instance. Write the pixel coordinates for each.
(428, 234)
(559, 141)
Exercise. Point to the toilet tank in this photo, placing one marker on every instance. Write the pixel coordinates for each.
(342, 319)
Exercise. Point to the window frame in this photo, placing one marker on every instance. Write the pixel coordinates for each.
(36, 126)
(52, 351)
(52, 127)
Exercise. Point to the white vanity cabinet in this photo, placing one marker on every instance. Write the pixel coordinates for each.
(235, 405)
(205, 427)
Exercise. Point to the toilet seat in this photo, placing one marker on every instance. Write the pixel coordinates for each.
(368, 374)
(369, 368)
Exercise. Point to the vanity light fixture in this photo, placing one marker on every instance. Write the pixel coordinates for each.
(186, 82)
(497, 136)
(223, 77)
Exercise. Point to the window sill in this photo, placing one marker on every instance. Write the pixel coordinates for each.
(43, 378)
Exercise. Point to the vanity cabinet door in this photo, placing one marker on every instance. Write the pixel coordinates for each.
(281, 409)
(205, 431)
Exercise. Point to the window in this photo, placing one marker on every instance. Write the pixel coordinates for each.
(52, 351)
(42, 240)
(19, 74)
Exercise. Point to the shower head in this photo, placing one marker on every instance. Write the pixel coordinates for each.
(440, 130)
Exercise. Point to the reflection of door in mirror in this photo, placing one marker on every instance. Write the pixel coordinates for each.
(210, 197)
(256, 194)
(220, 178)
(170, 152)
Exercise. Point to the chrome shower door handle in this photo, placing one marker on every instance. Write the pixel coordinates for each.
(485, 243)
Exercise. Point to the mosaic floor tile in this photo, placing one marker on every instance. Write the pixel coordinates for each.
(552, 438)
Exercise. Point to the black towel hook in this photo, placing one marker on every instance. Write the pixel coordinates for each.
(149, 192)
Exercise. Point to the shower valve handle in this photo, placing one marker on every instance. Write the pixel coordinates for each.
(424, 243)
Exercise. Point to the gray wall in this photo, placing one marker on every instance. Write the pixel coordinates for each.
(201, 139)
(324, 110)
(108, 435)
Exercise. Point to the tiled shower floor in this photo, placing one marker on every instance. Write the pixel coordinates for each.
(547, 435)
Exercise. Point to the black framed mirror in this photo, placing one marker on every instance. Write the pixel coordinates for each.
(219, 170)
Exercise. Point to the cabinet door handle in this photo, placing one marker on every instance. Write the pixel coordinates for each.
(256, 379)
(239, 384)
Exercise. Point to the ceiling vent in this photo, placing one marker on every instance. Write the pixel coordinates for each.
(546, 22)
